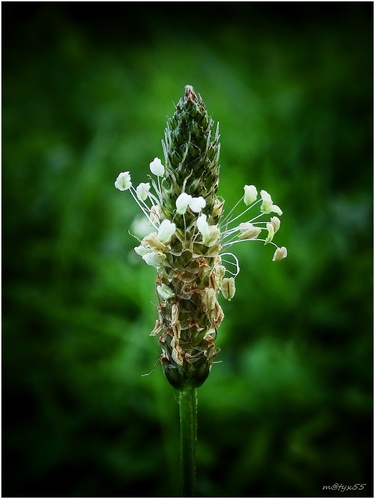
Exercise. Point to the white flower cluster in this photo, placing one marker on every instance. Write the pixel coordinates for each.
(152, 248)
(185, 201)
(252, 228)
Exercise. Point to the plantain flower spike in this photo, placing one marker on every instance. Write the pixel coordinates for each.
(190, 237)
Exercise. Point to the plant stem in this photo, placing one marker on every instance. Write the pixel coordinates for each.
(188, 438)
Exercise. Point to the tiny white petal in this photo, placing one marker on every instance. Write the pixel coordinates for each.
(267, 202)
(123, 181)
(276, 223)
(213, 237)
(152, 241)
(271, 232)
(250, 195)
(182, 202)
(142, 251)
(210, 233)
(202, 225)
(209, 298)
(197, 204)
(228, 288)
(155, 214)
(218, 208)
(157, 168)
(165, 292)
(154, 259)
(279, 254)
(142, 191)
(276, 209)
(166, 231)
(248, 231)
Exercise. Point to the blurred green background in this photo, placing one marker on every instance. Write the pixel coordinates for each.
(86, 89)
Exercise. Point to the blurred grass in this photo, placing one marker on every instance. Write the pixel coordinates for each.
(86, 91)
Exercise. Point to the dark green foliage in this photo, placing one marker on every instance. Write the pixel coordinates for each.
(86, 89)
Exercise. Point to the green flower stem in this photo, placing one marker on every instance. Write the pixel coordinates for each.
(188, 438)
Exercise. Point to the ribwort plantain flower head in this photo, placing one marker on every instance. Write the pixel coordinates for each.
(191, 237)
